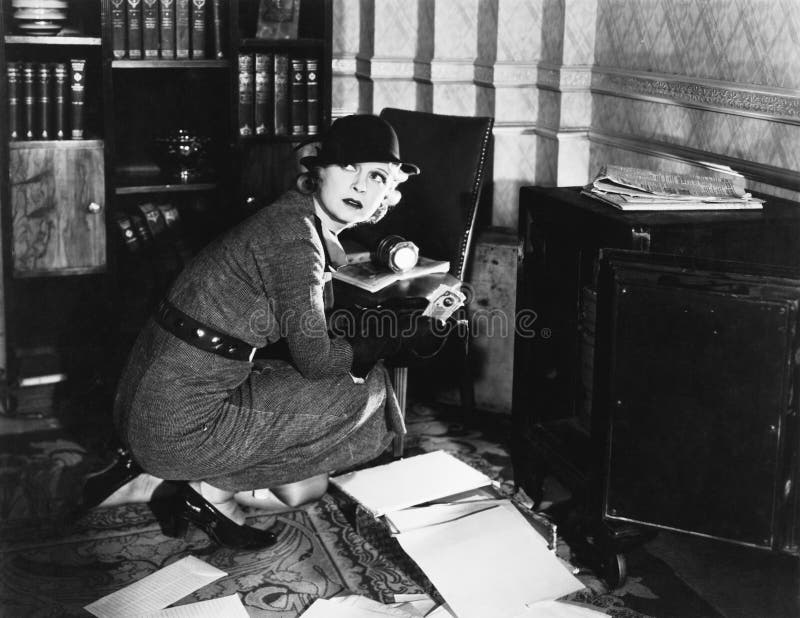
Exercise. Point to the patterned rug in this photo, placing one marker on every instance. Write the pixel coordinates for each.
(51, 565)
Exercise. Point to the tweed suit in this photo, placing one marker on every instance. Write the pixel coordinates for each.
(188, 414)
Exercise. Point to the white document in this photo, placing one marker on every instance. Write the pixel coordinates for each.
(229, 607)
(352, 606)
(421, 516)
(407, 482)
(491, 563)
(157, 590)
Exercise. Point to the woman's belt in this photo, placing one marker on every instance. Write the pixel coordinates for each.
(201, 336)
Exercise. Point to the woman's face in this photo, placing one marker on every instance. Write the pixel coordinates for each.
(351, 194)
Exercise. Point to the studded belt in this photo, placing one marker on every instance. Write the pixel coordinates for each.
(201, 336)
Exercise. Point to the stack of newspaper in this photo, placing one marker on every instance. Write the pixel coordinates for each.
(631, 188)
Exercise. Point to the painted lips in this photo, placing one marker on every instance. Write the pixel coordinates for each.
(353, 203)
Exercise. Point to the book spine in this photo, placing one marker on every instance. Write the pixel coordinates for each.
(119, 26)
(198, 42)
(14, 100)
(27, 96)
(134, 14)
(77, 73)
(260, 110)
(167, 28)
(150, 34)
(281, 94)
(216, 15)
(182, 26)
(246, 95)
(60, 100)
(312, 93)
(45, 129)
(297, 94)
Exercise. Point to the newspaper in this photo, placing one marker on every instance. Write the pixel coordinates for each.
(631, 188)
(635, 181)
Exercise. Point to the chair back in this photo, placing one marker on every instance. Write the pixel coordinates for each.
(439, 206)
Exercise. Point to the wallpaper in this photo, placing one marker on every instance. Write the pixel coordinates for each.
(573, 84)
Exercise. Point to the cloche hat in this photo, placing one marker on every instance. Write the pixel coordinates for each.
(358, 138)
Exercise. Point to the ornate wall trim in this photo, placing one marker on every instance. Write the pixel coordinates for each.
(726, 97)
(563, 78)
(767, 174)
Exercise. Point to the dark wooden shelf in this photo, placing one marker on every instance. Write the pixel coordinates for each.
(273, 139)
(253, 43)
(57, 144)
(170, 64)
(21, 39)
(133, 183)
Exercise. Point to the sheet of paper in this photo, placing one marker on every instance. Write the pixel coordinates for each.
(352, 606)
(230, 607)
(157, 590)
(410, 481)
(415, 604)
(491, 563)
(443, 611)
(421, 516)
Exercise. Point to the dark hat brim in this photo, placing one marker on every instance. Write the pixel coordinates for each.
(316, 161)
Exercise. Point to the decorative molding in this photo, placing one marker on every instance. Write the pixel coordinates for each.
(726, 97)
(564, 78)
(767, 174)
(509, 74)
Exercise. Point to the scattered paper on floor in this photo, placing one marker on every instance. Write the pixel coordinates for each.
(229, 607)
(157, 590)
(410, 481)
(421, 516)
(491, 563)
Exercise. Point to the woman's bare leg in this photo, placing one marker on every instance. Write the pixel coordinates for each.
(222, 499)
(285, 496)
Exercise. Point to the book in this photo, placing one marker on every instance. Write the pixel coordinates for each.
(182, 28)
(150, 29)
(44, 127)
(312, 96)
(166, 26)
(246, 95)
(134, 15)
(60, 100)
(263, 94)
(77, 74)
(27, 128)
(280, 99)
(216, 17)
(14, 99)
(372, 277)
(297, 96)
(630, 188)
(119, 38)
(198, 35)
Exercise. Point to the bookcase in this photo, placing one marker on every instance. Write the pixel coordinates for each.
(100, 221)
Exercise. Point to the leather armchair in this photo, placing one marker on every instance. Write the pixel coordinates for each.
(439, 207)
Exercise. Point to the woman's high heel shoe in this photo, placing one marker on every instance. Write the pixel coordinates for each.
(100, 485)
(186, 506)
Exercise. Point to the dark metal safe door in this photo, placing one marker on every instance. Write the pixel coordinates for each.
(697, 402)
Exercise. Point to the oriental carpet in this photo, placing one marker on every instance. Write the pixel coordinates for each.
(53, 565)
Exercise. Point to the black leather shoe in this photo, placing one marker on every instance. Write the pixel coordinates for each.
(186, 506)
(100, 485)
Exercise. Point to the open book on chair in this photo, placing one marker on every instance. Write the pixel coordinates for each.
(373, 277)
